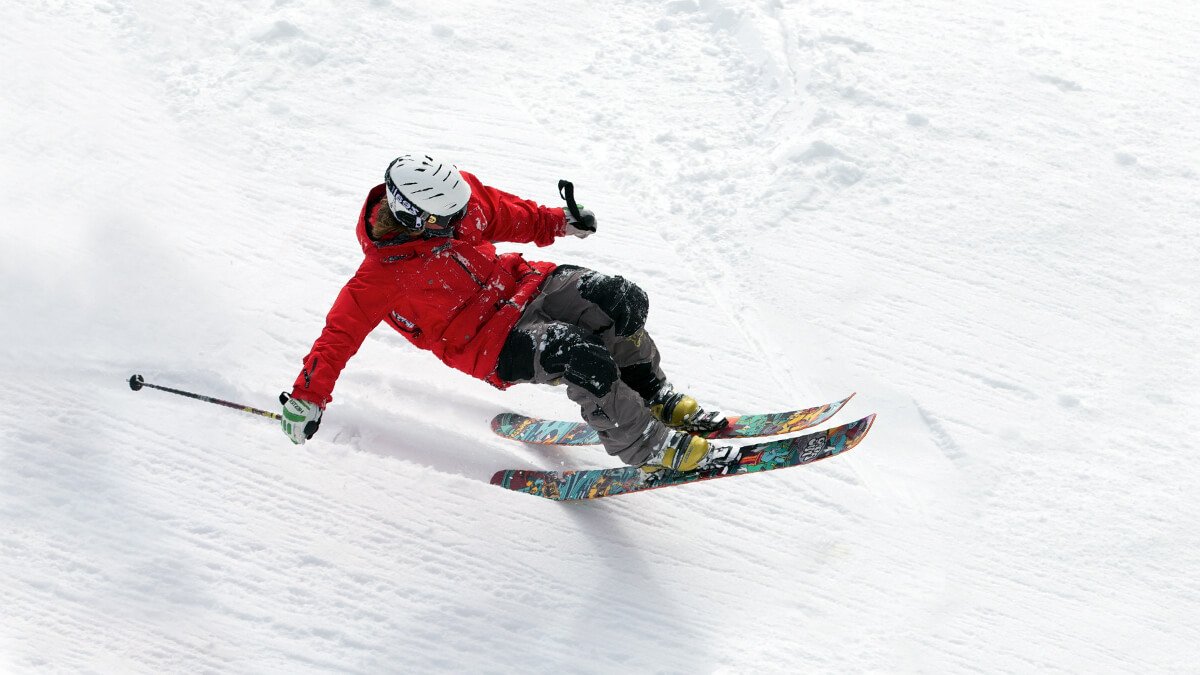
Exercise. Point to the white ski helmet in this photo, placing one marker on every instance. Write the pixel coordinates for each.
(421, 189)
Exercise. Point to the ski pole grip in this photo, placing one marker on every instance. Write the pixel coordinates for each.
(311, 427)
(566, 189)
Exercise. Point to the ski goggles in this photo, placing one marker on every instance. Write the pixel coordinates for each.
(413, 217)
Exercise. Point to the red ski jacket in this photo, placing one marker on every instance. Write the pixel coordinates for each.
(453, 296)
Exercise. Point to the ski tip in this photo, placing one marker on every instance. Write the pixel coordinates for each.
(837, 407)
(862, 426)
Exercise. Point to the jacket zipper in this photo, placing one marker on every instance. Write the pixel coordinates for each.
(463, 264)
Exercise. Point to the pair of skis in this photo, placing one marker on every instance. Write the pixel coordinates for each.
(755, 458)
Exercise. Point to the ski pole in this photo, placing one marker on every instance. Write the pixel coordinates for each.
(137, 382)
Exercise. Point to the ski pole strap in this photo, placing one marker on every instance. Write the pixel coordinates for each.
(137, 382)
(566, 189)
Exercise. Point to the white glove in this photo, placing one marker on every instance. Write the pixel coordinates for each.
(586, 225)
(300, 419)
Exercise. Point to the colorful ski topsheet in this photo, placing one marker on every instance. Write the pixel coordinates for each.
(595, 483)
(561, 432)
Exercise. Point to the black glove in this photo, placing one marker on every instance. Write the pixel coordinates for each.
(580, 221)
(584, 226)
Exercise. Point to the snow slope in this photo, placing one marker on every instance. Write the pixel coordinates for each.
(979, 215)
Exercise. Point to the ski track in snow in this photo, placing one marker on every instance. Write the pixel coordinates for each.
(979, 216)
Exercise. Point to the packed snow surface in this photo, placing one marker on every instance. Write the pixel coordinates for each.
(981, 216)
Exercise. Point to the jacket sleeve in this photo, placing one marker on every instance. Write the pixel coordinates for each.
(507, 217)
(358, 309)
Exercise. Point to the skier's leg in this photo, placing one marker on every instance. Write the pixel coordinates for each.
(545, 351)
(615, 309)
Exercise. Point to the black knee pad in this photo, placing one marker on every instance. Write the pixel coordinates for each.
(581, 357)
(515, 363)
(622, 300)
(641, 378)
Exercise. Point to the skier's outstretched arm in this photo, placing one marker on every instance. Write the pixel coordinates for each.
(507, 217)
(358, 309)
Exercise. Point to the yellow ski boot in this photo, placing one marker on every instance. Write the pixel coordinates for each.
(680, 451)
(680, 411)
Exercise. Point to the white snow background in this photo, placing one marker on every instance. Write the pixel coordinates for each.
(981, 216)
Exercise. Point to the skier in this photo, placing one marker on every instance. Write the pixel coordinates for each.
(431, 272)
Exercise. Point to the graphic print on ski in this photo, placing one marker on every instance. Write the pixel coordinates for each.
(561, 432)
(768, 456)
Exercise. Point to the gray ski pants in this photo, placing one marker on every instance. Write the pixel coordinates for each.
(587, 330)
